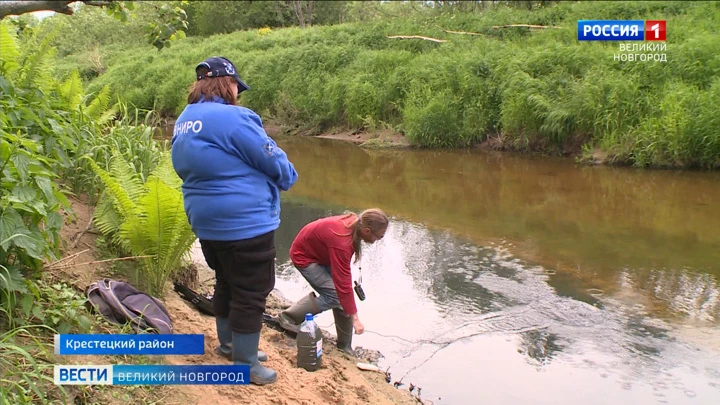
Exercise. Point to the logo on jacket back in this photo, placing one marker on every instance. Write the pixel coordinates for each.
(184, 127)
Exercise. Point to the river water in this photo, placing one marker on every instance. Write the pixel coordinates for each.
(507, 279)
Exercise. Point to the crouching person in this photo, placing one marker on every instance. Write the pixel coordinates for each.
(232, 175)
(322, 252)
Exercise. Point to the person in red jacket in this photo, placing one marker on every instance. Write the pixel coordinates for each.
(322, 252)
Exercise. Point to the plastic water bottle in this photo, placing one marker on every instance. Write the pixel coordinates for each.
(309, 344)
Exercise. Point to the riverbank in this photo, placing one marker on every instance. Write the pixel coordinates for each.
(339, 381)
(389, 139)
(384, 138)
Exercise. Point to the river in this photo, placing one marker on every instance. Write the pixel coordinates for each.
(515, 279)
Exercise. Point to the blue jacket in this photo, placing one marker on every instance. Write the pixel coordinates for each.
(231, 170)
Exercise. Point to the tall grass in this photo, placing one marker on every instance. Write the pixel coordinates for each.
(131, 134)
(31, 316)
(535, 89)
(25, 379)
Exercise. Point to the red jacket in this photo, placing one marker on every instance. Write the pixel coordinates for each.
(327, 241)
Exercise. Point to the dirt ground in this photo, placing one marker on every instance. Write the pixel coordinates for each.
(339, 381)
(382, 138)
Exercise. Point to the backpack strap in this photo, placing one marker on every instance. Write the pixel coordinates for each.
(96, 299)
(202, 303)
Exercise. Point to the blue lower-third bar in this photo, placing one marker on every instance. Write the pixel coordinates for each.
(121, 344)
(155, 374)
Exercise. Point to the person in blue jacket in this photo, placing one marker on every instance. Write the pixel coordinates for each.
(232, 175)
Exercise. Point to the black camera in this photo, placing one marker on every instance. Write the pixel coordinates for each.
(359, 291)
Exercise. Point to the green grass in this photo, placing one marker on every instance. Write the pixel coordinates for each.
(537, 90)
(51, 306)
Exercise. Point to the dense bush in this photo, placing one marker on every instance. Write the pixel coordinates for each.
(534, 89)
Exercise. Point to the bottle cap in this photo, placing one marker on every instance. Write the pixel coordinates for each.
(308, 316)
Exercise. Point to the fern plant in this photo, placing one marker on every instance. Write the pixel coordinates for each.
(116, 204)
(37, 59)
(89, 107)
(146, 220)
(9, 49)
(71, 89)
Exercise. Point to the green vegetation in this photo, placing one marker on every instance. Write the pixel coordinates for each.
(54, 138)
(148, 220)
(525, 89)
(26, 350)
(162, 22)
(222, 17)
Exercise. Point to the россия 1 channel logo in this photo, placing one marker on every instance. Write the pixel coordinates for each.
(654, 31)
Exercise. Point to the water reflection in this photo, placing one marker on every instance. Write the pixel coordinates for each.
(430, 291)
(696, 296)
(540, 347)
(593, 220)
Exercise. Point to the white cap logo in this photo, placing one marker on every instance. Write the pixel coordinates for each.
(229, 68)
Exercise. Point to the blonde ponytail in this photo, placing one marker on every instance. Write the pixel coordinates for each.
(372, 218)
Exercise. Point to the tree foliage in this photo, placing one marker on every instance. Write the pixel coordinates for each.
(221, 17)
(169, 22)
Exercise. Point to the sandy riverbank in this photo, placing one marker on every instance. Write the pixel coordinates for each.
(338, 382)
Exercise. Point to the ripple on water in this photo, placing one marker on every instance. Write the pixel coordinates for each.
(632, 345)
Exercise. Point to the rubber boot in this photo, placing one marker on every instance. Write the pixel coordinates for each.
(225, 337)
(245, 351)
(291, 318)
(344, 329)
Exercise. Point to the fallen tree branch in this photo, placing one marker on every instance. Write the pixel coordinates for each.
(460, 32)
(416, 37)
(66, 258)
(67, 266)
(100, 3)
(525, 25)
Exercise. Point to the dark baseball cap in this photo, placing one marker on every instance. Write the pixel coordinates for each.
(217, 67)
